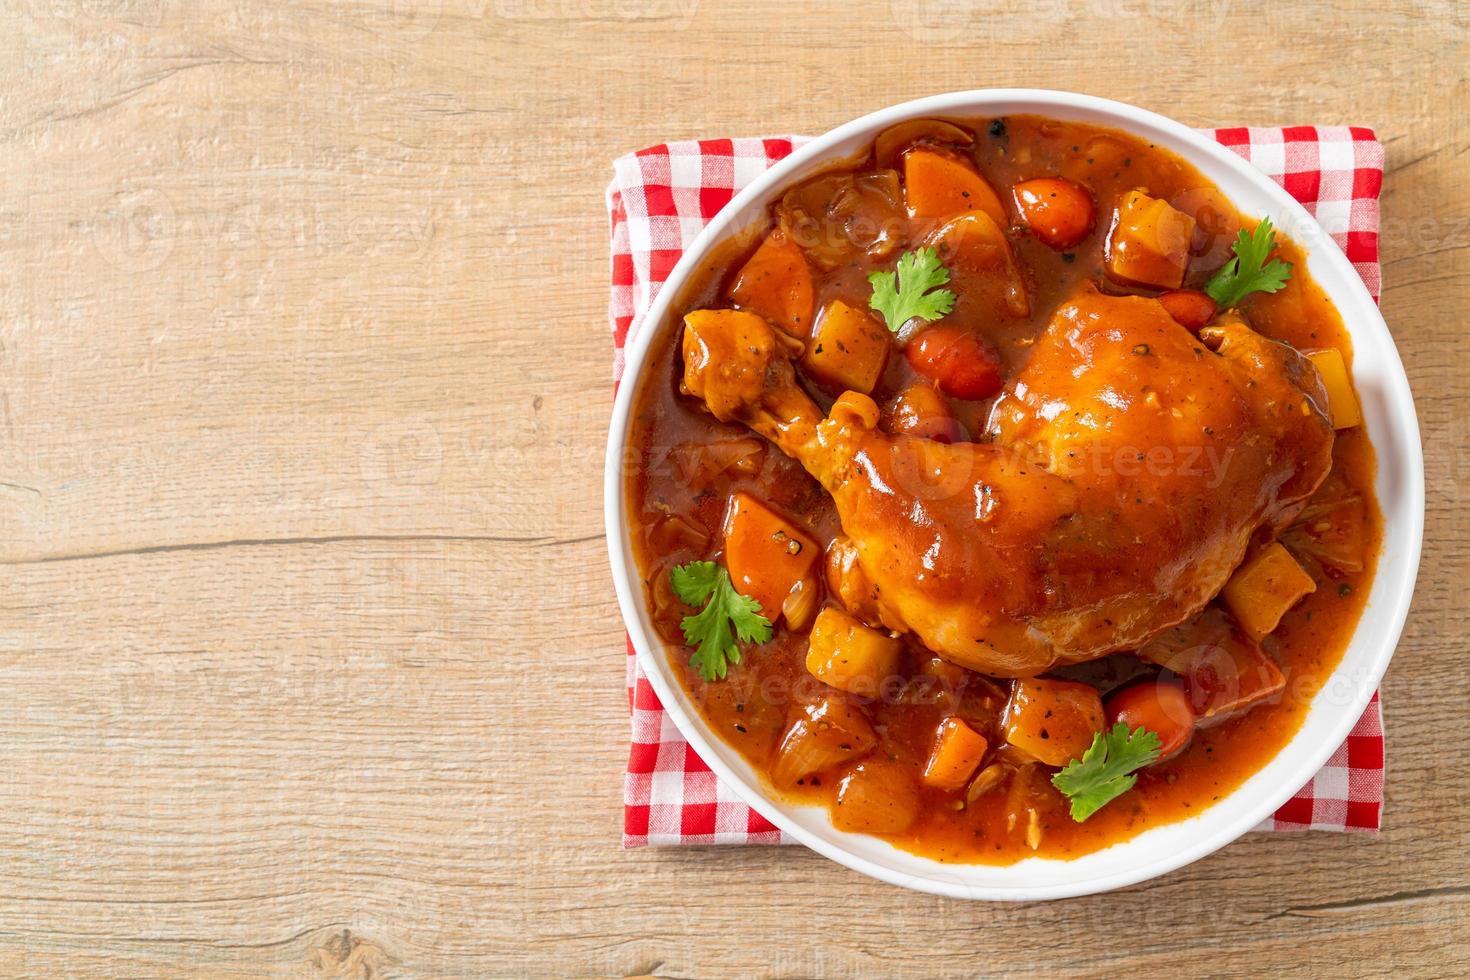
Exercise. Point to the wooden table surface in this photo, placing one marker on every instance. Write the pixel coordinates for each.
(310, 654)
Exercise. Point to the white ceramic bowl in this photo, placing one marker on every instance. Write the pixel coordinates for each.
(1388, 409)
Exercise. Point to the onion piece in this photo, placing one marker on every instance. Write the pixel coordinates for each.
(701, 460)
(826, 733)
(800, 605)
(988, 779)
(889, 146)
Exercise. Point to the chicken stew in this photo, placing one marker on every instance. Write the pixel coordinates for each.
(1007, 493)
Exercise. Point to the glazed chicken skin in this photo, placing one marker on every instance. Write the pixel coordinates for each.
(1123, 472)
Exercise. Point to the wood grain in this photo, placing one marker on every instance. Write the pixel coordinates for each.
(311, 659)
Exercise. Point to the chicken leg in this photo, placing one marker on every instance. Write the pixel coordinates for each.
(1125, 468)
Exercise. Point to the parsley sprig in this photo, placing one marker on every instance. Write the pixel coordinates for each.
(710, 630)
(1249, 272)
(1107, 770)
(902, 295)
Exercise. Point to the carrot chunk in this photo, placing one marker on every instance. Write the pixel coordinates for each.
(776, 282)
(766, 554)
(958, 749)
(939, 186)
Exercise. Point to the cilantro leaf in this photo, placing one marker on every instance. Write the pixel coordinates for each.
(902, 295)
(694, 582)
(709, 631)
(1107, 770)
(1249, 272)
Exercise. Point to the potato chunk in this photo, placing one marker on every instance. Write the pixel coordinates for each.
(1265, 587)
(875, 797)
(848, 350)
(1149, 243)
(1052, 721)
(846, 654)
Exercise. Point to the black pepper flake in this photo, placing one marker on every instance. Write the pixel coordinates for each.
(1344, 590)
(998, 128)
(740, 707)
(740, 729)
(1069, 257)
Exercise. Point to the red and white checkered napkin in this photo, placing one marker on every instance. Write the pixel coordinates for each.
(659, 200)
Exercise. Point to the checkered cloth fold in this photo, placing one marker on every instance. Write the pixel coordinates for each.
(661, 197)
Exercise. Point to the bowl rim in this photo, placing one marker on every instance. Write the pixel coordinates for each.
(967, 880)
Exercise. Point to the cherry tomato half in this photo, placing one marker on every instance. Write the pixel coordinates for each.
(964, 364)
(1159, 706)
(1058, 211)
(1190, 308)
